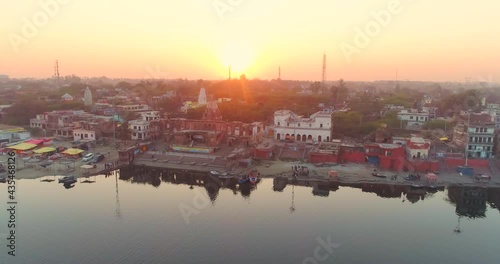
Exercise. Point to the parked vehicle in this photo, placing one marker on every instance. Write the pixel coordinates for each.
(88, 157)
(97, 158)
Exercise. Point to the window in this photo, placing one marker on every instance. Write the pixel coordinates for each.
(309, 125)
(279, 124)
(320, 125)
(287, 124)
(489, 140)
(411, 117)
(470, 147)
(477, 129)
(298, 124)
(86, 135)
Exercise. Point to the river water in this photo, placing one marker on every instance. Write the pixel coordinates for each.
(179, 219)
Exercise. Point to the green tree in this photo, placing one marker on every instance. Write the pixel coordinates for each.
(315, 87)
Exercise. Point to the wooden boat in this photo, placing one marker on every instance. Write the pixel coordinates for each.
(253, 176)
(67, 179)
(253, 179)
(376, 174)
(243, 180)
(218, 173)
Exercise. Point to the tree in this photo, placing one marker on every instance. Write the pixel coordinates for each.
(123, 132)
(315, 87)
(170, 105)
(340, 92)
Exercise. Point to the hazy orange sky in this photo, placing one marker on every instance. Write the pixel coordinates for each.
(197, 39)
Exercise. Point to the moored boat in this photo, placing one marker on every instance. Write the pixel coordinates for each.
(376, 174)
(253, 176)
(243, 180)
(67, 179)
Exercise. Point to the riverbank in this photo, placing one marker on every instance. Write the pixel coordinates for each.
(348, 173)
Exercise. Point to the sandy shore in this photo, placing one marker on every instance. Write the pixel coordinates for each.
(23, 171)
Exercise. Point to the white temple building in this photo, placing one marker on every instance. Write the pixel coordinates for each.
(202, 98)
(87, 97)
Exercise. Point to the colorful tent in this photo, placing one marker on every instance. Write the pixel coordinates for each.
(35, 141)
(44, 150)
(72, 151)
(23, 146)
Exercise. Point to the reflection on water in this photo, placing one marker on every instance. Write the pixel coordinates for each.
(133, 217)
(469, 201)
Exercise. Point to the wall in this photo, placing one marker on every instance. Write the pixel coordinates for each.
(454, 162)
(352, 157)
(321, 157)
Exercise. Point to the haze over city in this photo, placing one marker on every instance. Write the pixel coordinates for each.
(198, 39)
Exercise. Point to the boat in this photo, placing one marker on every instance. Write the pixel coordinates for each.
(3, 180)
(67, 179)
(243, 180)
(218, 173)
(376, 174)
(253, 177)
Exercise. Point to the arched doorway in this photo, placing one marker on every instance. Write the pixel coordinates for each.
(298, 137)
(328, 138)
(319, 138)
(304, 138)
(278, 136)
(309, 137)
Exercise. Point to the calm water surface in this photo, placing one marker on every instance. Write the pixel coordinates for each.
(139, 220)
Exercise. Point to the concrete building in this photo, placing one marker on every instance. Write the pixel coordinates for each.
(418, 148)
(150, 115)
(84, 135)
(413, 117)
(475, 132)
(139, 130)
(12, 134)
(481, 140)
(290, 126)
(494, 111)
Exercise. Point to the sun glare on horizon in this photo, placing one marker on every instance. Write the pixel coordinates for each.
(237, 55)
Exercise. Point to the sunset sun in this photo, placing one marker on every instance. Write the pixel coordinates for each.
(239, 56)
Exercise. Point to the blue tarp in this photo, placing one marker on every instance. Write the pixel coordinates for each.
(465, 170)
(373, 160)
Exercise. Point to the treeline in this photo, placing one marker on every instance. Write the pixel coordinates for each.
(26, 108)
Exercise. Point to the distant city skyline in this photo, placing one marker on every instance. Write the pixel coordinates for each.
(422, 40)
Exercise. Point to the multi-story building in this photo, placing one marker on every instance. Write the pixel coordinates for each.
(290, 126)
(413, 117)
(139, 130)
(494, 111)
(481, 140)
(150, 115)
(84, 135)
